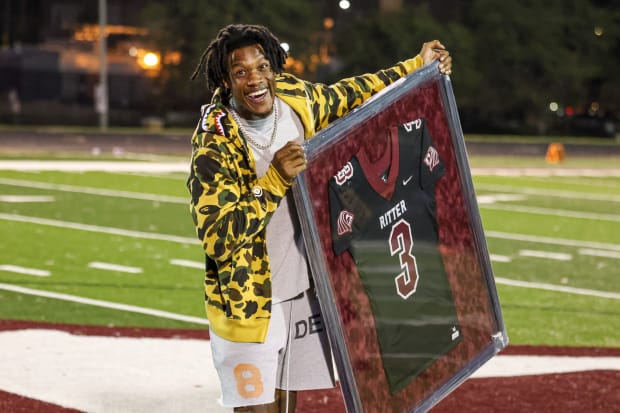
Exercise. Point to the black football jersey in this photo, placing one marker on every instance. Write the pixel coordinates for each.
(383, 213)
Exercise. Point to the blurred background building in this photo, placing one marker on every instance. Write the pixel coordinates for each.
(520, 67)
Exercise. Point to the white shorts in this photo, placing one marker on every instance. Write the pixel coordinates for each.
(294, 356)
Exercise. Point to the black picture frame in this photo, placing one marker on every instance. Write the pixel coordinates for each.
(428, 95)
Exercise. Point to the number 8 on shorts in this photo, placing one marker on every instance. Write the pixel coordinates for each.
(249, 381)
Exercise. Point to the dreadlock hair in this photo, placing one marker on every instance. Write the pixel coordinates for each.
(214, 61)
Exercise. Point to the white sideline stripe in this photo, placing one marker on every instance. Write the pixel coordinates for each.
(104, 304)
(94, 191)
(187, 263)
(599, 253)
(546, 254)
(511, 366)
(553, 241)
(114, 267)
(141, 375)
(26, 271)
(106, 166)
(96, 228)
(15, 199)
(500, 258)
(549, 192)
(554, 212)
(557, 288)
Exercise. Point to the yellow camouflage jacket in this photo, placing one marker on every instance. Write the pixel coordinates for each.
(231, 206)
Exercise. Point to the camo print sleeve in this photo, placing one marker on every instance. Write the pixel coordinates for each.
(336, 100)
(228, 215)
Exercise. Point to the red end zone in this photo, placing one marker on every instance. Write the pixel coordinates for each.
(587, 391)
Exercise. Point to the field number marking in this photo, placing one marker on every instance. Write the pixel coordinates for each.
(23, 270)
(546, 254)
(19, 199)
(599, 253)
(187, 263)
(114, 267)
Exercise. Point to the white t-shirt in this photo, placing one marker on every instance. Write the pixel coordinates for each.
(285, 246)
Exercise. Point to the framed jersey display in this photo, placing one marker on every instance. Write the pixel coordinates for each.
(397, 250)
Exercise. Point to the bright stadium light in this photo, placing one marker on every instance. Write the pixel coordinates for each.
(344, 4)
(285, 46)
(150, 59)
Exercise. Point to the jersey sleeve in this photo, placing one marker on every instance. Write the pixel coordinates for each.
(431, 166)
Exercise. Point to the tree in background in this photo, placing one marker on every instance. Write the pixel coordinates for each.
(512, 59)
(370, 42)
(531, 54)
(187, 26)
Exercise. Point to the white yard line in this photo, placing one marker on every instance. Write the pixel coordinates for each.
(551, 240)
(549, 193)
(557, 288)
(586, 182)
(102, 303)
(96, 228)
(94, 191)
(554, 212)
(81, 166)
(537, 172)
(25, 271)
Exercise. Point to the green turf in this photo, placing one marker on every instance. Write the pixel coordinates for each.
(539, 317)
(569, 213)
(68, 253)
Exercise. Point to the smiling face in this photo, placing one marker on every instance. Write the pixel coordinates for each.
(251, 81)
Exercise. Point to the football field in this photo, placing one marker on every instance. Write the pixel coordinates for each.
(110, 242)
(118, 248)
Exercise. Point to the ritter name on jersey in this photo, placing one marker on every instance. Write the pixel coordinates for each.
(390, 216)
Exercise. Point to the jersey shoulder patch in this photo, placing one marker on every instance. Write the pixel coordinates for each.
(344, 174)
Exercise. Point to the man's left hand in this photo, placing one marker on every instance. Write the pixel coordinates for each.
(434, 50)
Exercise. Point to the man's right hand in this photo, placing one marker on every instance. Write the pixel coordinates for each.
(289, 160)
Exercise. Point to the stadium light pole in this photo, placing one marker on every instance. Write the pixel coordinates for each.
(101, 95)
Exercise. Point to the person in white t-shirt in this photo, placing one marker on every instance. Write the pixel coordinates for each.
(267, 336)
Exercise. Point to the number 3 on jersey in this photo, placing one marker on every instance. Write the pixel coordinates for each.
(249, 381)
(401, 243)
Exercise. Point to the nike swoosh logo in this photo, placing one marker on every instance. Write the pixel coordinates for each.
(406, 181)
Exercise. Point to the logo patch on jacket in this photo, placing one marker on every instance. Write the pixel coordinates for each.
(257, 191)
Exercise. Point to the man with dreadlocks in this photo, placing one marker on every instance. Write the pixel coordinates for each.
(266, 330)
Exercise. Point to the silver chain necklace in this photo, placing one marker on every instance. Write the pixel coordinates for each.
(245, 133)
